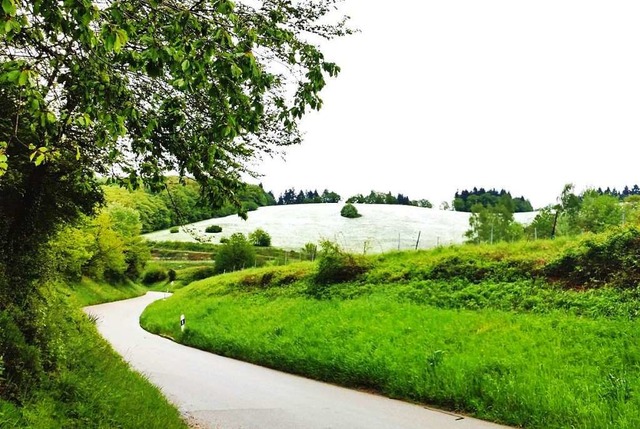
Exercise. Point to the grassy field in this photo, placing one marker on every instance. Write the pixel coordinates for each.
(475, 329)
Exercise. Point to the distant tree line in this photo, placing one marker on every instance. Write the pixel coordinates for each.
(466, 200)
(290, 196)
(626, 192)
(382, 198)
(592, 211)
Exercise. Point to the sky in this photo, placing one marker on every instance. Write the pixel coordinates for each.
(440, 96)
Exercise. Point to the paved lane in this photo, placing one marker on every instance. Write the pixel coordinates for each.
(228, 394)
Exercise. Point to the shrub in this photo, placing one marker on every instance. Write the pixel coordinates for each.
(310, 251)
(174, 230)
(213, 229)
(350, 211)
(154, 275)
(192, 274)
(335, 266)
(171, 274)
(260, 238)
(611, 259)
(22, 366)
(236, 254)
(224, 240)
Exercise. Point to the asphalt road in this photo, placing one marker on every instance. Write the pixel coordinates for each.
(224, 393)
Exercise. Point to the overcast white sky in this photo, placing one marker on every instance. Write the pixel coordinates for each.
(439, 96)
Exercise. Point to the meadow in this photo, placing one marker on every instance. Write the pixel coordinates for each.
(482, 330)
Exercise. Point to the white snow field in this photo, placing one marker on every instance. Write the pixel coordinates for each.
(381, 228)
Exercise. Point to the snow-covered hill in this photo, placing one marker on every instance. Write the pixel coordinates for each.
(381, 227)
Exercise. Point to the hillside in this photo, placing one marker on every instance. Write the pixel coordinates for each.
(538, 335)
(379, 229)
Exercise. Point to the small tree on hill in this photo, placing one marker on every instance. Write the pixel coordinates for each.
(260, 238)
(236, 254)
(349, 211)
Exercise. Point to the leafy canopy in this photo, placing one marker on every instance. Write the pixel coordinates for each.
(142, 87)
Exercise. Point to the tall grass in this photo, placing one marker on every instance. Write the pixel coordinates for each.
(475, 329)
(90, 386)
(89, 292)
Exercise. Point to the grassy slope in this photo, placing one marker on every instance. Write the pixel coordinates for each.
(468, 328)
(90, 292)
(92, 387)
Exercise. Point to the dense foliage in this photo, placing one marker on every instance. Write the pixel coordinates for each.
(382, 198)
(260, 238)
(131, 90)
(591, 211)
(213, 229)
(236, 253)
(181, 203)
(349, 211)
(465, 201)
(307, 197)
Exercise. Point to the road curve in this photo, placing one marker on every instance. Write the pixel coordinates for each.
(228, 394)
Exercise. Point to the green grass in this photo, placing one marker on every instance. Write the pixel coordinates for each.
(90, 386)
(89, 292)
(475, 329)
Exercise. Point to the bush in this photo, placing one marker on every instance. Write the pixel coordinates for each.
(260, 238)
(236, 254)
(349, 211)
(335, 266)
(154, 275)
(213, 229)
(310, 251)
(171, 274)
(224, 240)
(174, 230)
(611, 259)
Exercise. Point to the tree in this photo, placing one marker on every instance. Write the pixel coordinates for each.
(349, 211)
(260, 238)
(143, 87)
(131, 90)
(493, 224)
(599, 212)
(236, 253)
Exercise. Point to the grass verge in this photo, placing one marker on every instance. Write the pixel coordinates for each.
(89, 385)
(473, 330)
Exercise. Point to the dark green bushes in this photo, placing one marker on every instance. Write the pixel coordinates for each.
(154, 275)
(236, 254)
(260, 238)
(612, 259)
(22, 366)
(174, 230)
(476, 269)
(335, 266)
(350, 211)
(213, 229)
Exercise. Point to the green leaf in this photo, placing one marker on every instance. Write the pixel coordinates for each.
(9, 7)
(236, 71)
(39, 159)
(185, 65)
(51, 118)
(12, 76)
(120, 40)
(23, 78)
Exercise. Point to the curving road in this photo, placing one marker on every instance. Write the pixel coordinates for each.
(223, 393)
